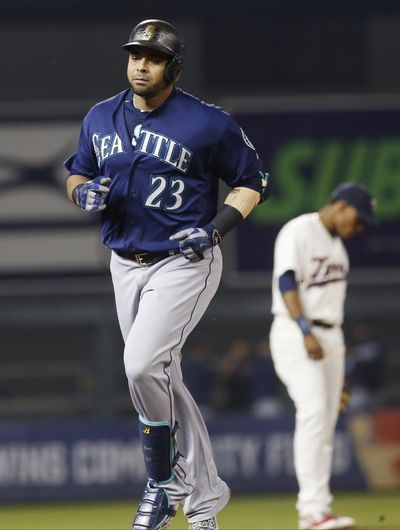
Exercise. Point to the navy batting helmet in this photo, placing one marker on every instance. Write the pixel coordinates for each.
(163, 37)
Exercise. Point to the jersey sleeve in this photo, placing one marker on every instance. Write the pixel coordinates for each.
(83, 162)
(286, 255)
(238, 163)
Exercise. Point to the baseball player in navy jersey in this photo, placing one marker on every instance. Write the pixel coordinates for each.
(150, 158)
(309, 285)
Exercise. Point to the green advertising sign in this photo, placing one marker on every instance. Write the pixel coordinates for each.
(309, 153)
(305, 170)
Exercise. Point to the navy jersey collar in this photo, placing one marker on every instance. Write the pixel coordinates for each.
(118, 113)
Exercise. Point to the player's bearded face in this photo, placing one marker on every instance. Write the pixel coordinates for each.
(146, 72)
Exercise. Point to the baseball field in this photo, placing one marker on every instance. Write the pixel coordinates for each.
(272, 512)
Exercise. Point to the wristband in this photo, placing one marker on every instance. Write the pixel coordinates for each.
(303, 325)
(75, 194)
(226, 219)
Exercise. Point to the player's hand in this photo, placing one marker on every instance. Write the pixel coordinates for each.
(91, 196)
(194, 242)
(313, 348)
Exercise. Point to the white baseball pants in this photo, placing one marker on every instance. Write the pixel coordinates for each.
(157, 308)
(315, 388)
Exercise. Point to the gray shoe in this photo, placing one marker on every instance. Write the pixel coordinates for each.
(155, 511)
(208, 524)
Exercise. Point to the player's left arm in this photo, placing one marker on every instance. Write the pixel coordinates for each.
(239, 203)
(238, 164)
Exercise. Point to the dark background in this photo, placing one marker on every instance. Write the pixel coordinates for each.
(69, 50)
(61, 348)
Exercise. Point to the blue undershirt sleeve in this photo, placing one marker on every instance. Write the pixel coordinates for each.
(287, 282)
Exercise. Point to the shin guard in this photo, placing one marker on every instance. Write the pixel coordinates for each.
(158, 449)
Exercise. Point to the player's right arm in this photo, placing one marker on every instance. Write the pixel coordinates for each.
(291, 298)
(72, 182)
(85, 187)
(88, 194)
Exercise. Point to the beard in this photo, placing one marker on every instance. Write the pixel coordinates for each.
(148, 91)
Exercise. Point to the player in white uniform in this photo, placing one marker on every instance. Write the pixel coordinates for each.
(309, 286)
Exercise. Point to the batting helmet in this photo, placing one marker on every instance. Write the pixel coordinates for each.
(163, 37)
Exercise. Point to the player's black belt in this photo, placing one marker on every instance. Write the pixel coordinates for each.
(146, 258)
(322, 324)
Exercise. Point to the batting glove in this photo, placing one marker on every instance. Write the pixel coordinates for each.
(194, 242)
(91, 195)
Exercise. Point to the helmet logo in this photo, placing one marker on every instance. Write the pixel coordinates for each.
(149, 32)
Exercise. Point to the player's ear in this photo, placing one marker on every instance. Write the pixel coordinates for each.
(340, 205)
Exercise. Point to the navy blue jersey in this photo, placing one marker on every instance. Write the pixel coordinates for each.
(165, 166)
